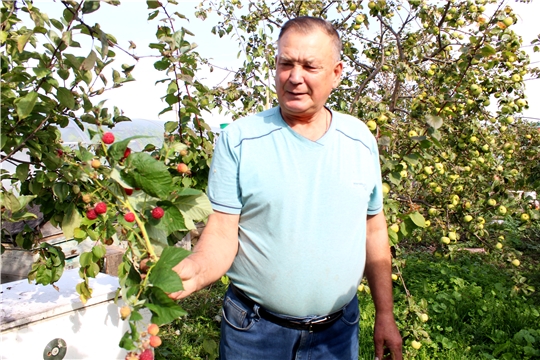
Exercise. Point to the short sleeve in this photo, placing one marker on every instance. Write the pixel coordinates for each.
(223, 185)
(375, 204)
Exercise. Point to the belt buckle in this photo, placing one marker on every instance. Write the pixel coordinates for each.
(318, 321)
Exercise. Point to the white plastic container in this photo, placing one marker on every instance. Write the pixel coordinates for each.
(38, 322)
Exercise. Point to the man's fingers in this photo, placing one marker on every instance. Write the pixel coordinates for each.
(177, 295)
(378, 350)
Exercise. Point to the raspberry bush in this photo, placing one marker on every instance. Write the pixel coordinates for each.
(103, 191)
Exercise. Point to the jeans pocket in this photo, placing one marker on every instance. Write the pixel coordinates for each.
(237, 315)
(351, 313)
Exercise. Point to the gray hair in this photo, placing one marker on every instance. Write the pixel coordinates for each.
(307, 24)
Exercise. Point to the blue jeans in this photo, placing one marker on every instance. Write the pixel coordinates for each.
(247, 336)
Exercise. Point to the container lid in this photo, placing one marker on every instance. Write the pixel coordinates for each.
(23, 303)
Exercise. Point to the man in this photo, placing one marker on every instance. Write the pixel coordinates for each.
(298, 214)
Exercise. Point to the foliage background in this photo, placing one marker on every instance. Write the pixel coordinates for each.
(441, 85)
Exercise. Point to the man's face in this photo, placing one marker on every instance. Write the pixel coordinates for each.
(306, 72)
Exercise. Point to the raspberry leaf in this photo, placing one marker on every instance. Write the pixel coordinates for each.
(162, 275)
(148, 174)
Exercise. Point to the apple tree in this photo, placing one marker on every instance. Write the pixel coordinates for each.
(441, 86)
(52, 71)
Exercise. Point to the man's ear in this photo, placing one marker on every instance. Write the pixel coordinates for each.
(338, 69)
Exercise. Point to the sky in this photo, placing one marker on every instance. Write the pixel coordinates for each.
(141, 99)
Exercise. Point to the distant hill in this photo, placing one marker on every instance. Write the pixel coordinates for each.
(154, 129)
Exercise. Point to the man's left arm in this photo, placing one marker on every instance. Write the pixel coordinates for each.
(378, 272)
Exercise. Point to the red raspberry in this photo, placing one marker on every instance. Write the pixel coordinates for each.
(129, 217)
(146, 355)
(127, 152)
(108, 138)
(157, 212)
(91, 214)
(128, 191)
(101, 208)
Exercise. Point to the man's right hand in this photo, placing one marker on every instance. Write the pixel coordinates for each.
(187, 269)
(212, 256)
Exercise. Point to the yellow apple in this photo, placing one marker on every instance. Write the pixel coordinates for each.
(508, 21)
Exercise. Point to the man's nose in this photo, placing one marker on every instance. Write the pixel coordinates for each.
(296, 76)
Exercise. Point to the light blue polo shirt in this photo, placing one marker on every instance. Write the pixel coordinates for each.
(302, 206)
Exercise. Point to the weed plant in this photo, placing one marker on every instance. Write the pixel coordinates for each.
(475, 310)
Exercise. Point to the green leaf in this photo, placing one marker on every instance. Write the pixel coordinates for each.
(67, 38)
(162, 274)
(127, 342)
(22, 40)
(145, 172)
(135, 316)
(194, 208)
(90, 61)
(61, 190)
(22, 171)
(26, 104)
(152, 4)
(71, 221)
(86, 259)
(79, 234)
(164, 309)
(171, 126)
(487, 51)
(90, 6)
(162, 65)
(434, 121)
(116, 150)
(65, 97)
(104, 45)
(394, 177)
(41, 72)
(99, 251)
(172, 220)
(412, 158)
(153, 14)
(210, 346)
(92, 270)
(418, 219)
(393, 237)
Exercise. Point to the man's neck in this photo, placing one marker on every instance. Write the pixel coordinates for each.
(311, 127)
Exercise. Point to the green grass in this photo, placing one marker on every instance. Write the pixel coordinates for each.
(474, 311)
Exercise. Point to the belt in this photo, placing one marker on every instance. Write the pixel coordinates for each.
(312, 325)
